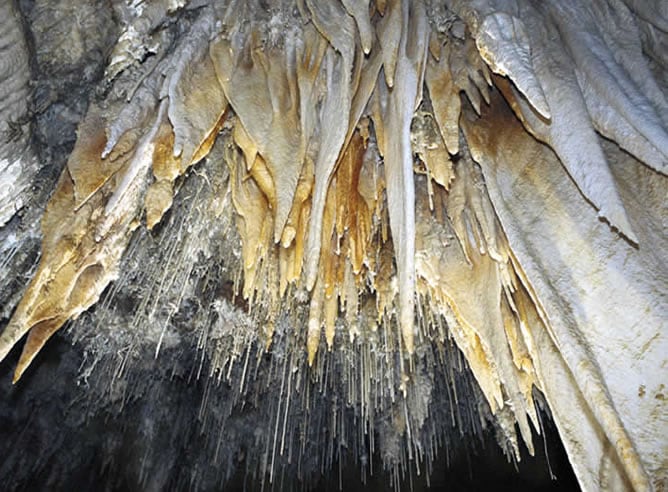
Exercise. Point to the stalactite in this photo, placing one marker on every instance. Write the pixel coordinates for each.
(365, 153)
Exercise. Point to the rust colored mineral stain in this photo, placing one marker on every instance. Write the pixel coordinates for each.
(88, 171)
(77, 263)
(354, 216)
(261, 89)
(348, 233)
(166, 168)
(37, 337)
(348, 223)
(74, 267)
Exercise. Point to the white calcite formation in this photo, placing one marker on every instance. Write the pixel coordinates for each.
(18, 164)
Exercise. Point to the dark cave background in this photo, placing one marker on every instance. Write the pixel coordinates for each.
(53, 437)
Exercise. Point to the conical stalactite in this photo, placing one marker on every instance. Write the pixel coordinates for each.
(366, 158)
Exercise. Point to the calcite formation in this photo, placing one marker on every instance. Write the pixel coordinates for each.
(17, 161)
(496, 167)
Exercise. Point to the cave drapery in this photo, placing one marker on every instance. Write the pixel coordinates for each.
(389, 200)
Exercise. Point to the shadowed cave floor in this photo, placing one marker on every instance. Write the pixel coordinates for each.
(52, 438)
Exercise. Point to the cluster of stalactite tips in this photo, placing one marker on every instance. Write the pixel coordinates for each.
(332, 160)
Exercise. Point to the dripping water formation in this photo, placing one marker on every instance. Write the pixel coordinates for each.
(333, 244)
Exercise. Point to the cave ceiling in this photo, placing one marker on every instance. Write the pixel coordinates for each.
(432, 215)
